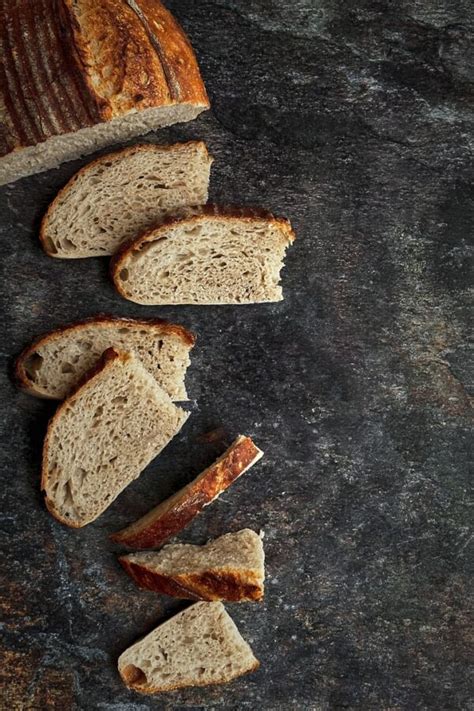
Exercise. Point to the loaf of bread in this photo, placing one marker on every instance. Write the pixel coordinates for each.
(78, 75)
(175, 513)
(121, 194)
(214, 256)
(54, 364)
(103, 436)
(229, 568)
(196, 647)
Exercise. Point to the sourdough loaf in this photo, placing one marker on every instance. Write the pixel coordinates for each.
(54, 364)
(103, 436)
(122, 194)
(78, 75)
(228, 568)
(172, 515)
(196, 647)
(214, 255)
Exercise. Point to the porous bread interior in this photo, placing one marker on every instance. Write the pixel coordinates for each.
(69, 146)
(103, 437)
(209, 260)
(199, 646)
(242, 550)
(58, 363)
(117, 198)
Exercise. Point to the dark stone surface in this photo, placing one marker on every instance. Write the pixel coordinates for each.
(356, 121)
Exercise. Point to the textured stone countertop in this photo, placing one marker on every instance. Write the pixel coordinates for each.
(355, 120)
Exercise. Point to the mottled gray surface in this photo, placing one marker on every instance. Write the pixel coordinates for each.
(356, 121)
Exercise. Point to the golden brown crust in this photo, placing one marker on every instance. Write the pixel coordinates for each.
(158, 525)
(137, 79)
(226, 585)
(202, 212)
(109, 356)
(149, 580)
(164, 327)
(35, 49)
(108, 157)
(175, 52)
(112, 57)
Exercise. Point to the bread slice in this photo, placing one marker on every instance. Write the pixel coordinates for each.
(196, 647)
(172, 515)
(103, 436)
(78, 75)
(214, 256)
(54, 363)
(119, 195)
(229, 568)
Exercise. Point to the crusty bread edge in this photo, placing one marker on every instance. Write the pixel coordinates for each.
(223, 212)
(159, 689)
(184, 68)
(133, 536)
(245, 586)
(114, 156)
(109, 356)
(166, 585)
(21, 378)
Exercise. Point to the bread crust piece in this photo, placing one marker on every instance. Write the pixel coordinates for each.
(142, 60)
(196, 215)
(163, 327)
(229, 585)
(171, 516)
(107, 158)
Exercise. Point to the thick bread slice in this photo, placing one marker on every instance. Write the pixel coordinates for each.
(119, 195)
(214, 256)
(103, 436)
(78, 75)
(169, 517)
(229, 568)
(53, 364)
(196, 647)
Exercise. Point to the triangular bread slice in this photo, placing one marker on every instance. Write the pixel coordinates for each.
(214, 256)
(103, 436)
(172, 515)
(196, 647)
(229, 568)
(119, 195)
(54, 363)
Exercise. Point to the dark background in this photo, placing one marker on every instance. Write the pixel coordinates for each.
(355, 120)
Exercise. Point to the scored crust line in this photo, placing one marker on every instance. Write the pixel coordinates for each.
(173, 86)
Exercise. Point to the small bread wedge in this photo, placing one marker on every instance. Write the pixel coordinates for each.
(196, 647)
(103, 436)
(172, 515)
(215, 255)
(229, 568)
(120, 194)
(54, 363)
